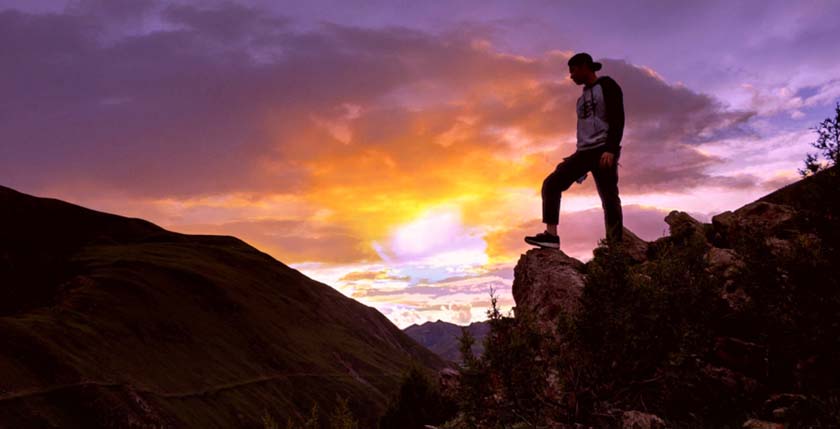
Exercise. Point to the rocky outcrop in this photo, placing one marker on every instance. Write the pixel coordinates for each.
(633, 246)
(681, 224)
(711, 356)
(547, 286)
(778, 223)
(639, 420)
(548, 283)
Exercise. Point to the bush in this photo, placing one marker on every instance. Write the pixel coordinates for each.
(503, 387)
(418, 403)
(341, 418)
(795, 296)
(638, 317)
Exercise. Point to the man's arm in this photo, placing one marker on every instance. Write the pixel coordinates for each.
(614, 103)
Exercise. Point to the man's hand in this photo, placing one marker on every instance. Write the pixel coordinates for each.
(607, 160)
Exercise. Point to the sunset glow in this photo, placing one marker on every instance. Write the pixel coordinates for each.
(397, 156)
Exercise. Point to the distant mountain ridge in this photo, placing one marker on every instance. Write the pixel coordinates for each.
(443, 337)
(110, 321)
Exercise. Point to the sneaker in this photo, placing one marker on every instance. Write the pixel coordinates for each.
(544, 239)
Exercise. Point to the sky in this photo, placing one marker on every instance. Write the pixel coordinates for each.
(395, 150)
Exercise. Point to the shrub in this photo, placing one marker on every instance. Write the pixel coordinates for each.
(418, 402)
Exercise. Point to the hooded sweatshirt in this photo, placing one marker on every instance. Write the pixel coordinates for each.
(600, 112)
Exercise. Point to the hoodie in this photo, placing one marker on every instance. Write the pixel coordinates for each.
(600, 112)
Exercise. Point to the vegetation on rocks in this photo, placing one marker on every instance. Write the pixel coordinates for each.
(716, 325)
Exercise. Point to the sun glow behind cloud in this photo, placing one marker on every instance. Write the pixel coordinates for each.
(438, 237)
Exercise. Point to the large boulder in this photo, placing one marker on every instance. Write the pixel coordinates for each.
(638, 420)
(681, 224)
(725, 264)
(547, 286)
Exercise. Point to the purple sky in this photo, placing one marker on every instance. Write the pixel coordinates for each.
(394, 150)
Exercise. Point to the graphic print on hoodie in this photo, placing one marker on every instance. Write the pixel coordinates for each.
(600, 112)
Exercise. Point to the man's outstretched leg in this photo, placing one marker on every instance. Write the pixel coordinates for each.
(566, 172)
(606, 180)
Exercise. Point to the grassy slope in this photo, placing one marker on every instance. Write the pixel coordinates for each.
(105, 318)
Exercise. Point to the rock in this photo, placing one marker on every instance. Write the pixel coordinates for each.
(681, 224)
(786, 248)
(635, 247)
(640, 420)
(781, 413)
(547, 285)
(785, 406)
(762, 424)
(736, 298)
(724, 264)
(722, 224)
(759, 217)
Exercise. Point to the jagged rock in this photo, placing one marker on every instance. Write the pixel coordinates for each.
(633, 246)
(785, 406)
(547, 285)
(759, 217)
(640, 420)
(681, 224)
(724, 264)
(762, 424)
(785, 247)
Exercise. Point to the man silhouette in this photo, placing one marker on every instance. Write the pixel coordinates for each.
(600, 126)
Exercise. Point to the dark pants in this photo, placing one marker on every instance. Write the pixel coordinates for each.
(606, 180)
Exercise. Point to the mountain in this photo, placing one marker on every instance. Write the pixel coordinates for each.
(442, 337)
(111, 321)
(731, 323)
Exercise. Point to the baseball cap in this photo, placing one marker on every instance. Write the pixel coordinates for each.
(584, 58)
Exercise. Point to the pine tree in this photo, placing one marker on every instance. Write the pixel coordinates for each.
(828, 143)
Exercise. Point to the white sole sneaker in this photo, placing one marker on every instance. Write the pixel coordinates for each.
(543, 244)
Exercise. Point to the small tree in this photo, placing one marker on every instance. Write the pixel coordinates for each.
(828, 143)
(269, 422)
(314, 420)
(342, 417)
(465, 344)
(419, 402)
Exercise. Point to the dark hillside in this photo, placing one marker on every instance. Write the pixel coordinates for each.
(109, 321)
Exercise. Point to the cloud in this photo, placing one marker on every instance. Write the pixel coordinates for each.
(227, 21)
(191, 113)
(372, 275)
(294, 241)
(371, 126)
